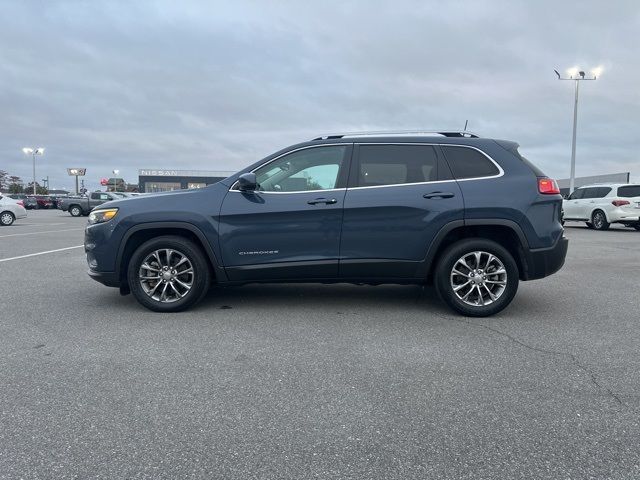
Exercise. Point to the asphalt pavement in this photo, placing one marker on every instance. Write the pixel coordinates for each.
(316, 381)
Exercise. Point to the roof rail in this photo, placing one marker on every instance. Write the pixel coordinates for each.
(415, 133)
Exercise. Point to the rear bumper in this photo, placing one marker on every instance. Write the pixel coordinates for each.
(543, 262)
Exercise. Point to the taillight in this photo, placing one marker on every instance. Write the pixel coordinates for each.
(548, 186)
(20, 202)
(619, 203)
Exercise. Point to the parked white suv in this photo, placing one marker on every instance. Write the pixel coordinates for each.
(10, 210)
(603, 204)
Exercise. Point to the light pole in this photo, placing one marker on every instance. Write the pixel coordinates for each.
(33, 152)
(576, 75)
(115, 180)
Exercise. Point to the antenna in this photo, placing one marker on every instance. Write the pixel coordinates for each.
(466, 122)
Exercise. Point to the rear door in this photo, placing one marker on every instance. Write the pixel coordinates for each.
(290, 227)
(399, 197)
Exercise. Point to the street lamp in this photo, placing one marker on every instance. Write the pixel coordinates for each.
(115, 180)
(576, 75)
(33, 152)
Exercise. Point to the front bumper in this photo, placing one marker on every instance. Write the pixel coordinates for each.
(110, 279)
(543, 262)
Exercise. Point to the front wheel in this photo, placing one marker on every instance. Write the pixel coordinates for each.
(477, 277)
(75, 211)
(168, 274)
(599, 220)
(7, 218)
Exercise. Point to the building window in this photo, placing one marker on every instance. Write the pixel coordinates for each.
(161, 186)
(196, 185)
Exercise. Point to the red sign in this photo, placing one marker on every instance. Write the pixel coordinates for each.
(104, 182)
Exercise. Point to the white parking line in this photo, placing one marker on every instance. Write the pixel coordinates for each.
(38, 224)
(36, 233)
(39, 253)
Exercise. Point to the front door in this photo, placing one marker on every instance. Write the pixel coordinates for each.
(290, 226)
(399, 197)
(574, 205)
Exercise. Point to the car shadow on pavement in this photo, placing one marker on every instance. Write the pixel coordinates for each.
(334, 297)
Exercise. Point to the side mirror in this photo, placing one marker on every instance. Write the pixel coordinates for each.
(247, 182)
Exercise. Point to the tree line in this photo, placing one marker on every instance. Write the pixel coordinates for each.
(14, 184)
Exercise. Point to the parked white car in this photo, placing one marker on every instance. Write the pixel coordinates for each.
(603, 204)
(10, 210)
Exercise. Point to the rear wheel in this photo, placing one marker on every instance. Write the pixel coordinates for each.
(7, 218)
(75, 211)
(589, 224)
(477, 277)
(599, 220)
(168, 274)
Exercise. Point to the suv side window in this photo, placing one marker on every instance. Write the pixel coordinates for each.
(95, 196)
(396, 164)
(105, 196)
(629, 191)
(577, 194)
(468, 163)
(314, 168)
(596, 192)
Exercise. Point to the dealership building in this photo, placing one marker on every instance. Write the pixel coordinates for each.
(165, 180)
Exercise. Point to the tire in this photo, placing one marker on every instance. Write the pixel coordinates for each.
(175, 296)
(75, 211)
(637, 226)
(7, 218)
(599, 220)
(475, 305)
(589, 225)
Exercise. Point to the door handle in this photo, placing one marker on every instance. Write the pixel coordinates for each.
(438, 195)
(327, 201)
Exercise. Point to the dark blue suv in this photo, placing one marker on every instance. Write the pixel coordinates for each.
(467, 214)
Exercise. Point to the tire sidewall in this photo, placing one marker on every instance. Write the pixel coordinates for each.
(74, 209)
(451, 256)
(191, 251)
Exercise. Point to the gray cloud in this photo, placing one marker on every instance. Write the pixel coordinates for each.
(203, 85)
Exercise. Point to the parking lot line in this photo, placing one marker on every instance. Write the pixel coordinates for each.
(39, 224)
(39, 253)
(36, 233)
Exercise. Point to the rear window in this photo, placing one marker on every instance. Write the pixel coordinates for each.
(469, 163)
(629, 191)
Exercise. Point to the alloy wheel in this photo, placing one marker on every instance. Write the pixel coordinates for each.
(166, 275)
(598, 220)
(478, 278)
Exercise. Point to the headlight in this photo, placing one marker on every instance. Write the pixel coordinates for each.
(101, 216)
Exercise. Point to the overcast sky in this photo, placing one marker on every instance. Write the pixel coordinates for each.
(216, 86)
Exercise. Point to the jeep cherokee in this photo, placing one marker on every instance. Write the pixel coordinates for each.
(469, 215)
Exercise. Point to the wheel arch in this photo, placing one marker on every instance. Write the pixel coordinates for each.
(137, 235)
(595, 209)
(504, 232)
